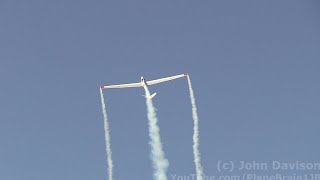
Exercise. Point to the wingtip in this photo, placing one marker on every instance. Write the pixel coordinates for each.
(101, 87)
(185, 74)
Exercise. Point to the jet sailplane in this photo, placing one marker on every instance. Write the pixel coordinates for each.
(144, 83)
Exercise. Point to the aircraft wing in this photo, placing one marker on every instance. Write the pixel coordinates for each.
(123, 85)
(165, 79)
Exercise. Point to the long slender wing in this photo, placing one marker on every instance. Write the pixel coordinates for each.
(123, 85)
(165, 79)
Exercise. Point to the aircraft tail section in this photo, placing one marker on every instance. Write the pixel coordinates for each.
(152, 96)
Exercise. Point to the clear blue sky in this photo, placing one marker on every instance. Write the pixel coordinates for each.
(254, 67)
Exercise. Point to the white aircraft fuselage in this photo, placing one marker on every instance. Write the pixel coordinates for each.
(144, 85)
(143, 81)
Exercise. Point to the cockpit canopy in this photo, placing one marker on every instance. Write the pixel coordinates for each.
(142, 79)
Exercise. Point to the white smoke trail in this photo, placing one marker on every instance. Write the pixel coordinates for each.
(160, 163)
(107, 137)
(196, 152)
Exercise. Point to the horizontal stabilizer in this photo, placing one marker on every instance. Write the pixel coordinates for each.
(153, 95)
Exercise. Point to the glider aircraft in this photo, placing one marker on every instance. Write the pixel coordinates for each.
(143, 83)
